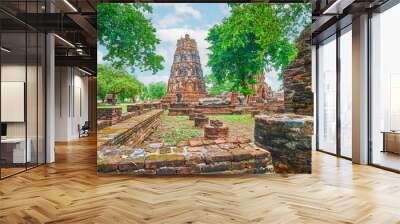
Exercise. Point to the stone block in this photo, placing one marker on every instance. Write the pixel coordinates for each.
(211, 132)
(240, 154)
(195, 142)
(288, 138)
(216, 167)
(130, 164)
(165, 171)
(215, 154)
(189, 170)
(164, 160)
(200, 121)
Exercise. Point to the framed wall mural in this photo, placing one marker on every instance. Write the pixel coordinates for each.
(204, 88)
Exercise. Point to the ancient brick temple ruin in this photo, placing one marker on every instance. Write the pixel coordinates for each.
(297, 79)
(185, 84)
(262, 90)
(288, 136)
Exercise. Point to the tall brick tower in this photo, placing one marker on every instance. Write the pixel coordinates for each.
(185, 84)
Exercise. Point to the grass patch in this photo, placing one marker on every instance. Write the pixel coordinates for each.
(233, 118)
(178, 129)
(179, 135)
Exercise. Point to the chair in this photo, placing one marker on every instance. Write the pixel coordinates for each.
(84, 130)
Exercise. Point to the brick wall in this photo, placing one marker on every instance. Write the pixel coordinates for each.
(297, 79)
(288, 138)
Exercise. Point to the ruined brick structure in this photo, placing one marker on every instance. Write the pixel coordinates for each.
(288, 136)
(262, 91)
(199, 157)
(297, 78)
(186, 84)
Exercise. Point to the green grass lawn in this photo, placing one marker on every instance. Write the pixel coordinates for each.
(234, 119)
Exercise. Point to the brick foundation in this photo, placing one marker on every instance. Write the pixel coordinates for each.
(200, 121)
(213, 131)
(288, 138)
(131, 131)
(236, 156)
(297, 79)
(111, 114)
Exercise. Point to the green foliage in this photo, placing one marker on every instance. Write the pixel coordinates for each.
(252, 38)
(216, 88)
(154, 91)
(129, 36)
(117, 81)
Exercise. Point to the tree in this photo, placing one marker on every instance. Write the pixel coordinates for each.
(129, 36)
(252, 38)
(214, 87)
(155, 91)
(117, 81)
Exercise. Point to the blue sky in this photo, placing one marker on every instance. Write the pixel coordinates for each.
(172, 21)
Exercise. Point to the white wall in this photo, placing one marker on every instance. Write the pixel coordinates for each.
(71, 102)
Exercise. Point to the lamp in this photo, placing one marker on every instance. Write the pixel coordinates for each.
(64, 40)
(70, 5)
(337, 7)
(84, 71)
(5, 50)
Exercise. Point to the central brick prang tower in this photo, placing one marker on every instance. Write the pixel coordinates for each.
(186, 83)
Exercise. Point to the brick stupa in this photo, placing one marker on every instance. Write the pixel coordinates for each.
(186, 83)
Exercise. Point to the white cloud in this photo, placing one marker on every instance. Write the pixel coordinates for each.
(178, 16)
(99, 57)
(169, 20)
(184, 8)
(224, 9)
(147, 79)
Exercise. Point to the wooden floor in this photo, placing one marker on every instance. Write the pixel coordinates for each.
(70, 191)
(386, 159)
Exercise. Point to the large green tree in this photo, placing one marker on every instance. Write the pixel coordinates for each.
(252, 38)
(129, 36)
(117, 81)
(155, 91)
(217, 88)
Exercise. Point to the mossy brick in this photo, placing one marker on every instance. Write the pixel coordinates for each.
(216, 167)
(165, 171)
(129, 164)
(188, 170)
(240, 154)
(163, 160)
(217, 155)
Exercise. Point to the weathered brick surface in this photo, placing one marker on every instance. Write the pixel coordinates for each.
(131, 131)
(135, 107)
(164, 160)
(200, 120)
(103, 123)
(288, 138)
(210, 157)
(297, 79)
(211, 132)
(111, 114)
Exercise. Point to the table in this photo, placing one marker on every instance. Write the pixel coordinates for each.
(13, 150)
(391, 141)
